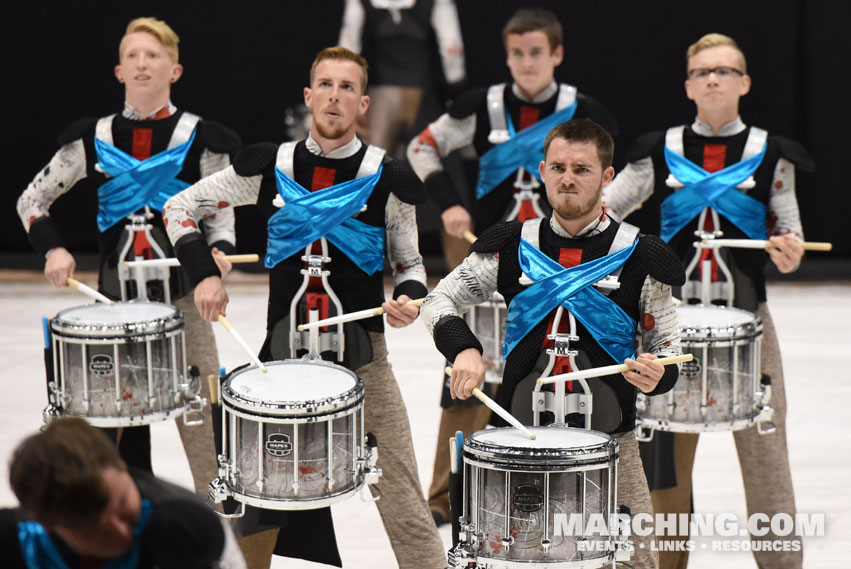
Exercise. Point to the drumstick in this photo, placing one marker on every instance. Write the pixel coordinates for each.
(213, 382)
(241, 342)
(762, 244)
(495, 407)
(607, 370)
(352, 316)
(89, 291)
(172, 262)
(469, 236)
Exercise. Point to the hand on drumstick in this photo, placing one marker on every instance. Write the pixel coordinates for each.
(786, 253)
(211, 298)
(468, 372)
(225, 266)
(400, 314)
(647, 372)
(59, 266)
(456, 220)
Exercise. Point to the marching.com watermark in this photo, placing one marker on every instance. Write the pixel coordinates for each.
(677, 532)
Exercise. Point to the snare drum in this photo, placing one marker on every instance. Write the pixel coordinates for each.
(120, 365)
(293, 438)
(528, 503)
(721, 388)
(487, 322)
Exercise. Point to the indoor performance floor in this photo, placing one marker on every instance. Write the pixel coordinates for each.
(812, 322)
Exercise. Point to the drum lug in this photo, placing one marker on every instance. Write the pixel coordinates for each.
(545, 545)
(506, 543)
(50, 413)
(193, 404)
(644, 434)
(460, 557)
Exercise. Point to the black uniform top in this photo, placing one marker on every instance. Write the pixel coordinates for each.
(651, 258)
(750, 278)
(140, 139)
(494, 207)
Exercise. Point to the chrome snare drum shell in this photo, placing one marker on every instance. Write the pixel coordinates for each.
(131, 321)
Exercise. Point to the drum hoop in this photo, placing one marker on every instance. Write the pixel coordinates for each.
(132, 328)
(587, 562)
(310, 408)
(132, 421)
(282, 419)
(290, 504)
(600, 462)
(733, 331)
(475, 448)
(126, 339)
(708, 427)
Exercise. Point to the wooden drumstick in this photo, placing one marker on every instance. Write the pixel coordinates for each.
(89, 291)
(608, 370)
(496, 408)
(172, 262)
(469, 236)
(213, 382)
(224, 322)
(762, 244)
(352, 316)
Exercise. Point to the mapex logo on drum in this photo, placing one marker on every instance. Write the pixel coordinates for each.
(692, 368)
(528, 498)
(278, 444)
(102, 365)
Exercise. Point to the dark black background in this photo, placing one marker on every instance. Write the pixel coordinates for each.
(245, 62)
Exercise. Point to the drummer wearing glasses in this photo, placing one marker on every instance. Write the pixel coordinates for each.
(758, 202)
(574, 249)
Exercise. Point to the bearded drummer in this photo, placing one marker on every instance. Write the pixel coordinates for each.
(757, 173)
(506, 124)
(575, 247)
(177, 149)
(352, 203)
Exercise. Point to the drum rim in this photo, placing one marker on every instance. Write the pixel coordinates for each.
(488, 452)
(735, 331)
(130, 329)
(317, 407)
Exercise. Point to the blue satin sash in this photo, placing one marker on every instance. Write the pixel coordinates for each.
(554, 285)
(40, 552)
(524, 149)
(308, 216)
(716, 190)
(137, 183)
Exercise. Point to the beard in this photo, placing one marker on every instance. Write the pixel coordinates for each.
(330, 132)
(578, 210)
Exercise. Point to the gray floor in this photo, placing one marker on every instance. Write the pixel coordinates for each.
(812, 322)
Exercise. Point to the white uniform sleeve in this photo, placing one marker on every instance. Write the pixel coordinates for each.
(351, 32)
(630, 188)
(783, 214)
(207, 198)
(658, 329)
(66, 168)
(444, 21)
(472, 282)
(402, 242)
(439, 139)
(221, 226)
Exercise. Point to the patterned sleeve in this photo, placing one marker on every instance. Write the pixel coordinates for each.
(447, 30)
(658, 327)
(219, 226)
(439, 139)
(208, 197)
(630, 188)
(66, 168)
(472, 282)
(784, 218)
(402, 243)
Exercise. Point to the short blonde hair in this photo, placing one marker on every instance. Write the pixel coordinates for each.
(344, 54)
(715, 40)
(156, 28)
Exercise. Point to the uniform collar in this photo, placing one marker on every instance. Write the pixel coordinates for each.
(731, 128)
(544, 95)
(596, 227)
(349, 149)
(162, 112)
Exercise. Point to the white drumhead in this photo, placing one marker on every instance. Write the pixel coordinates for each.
(292, 381)
(699, 316)
(545, 438)
(102, 314)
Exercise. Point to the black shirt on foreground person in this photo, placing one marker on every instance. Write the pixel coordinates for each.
(82, 508)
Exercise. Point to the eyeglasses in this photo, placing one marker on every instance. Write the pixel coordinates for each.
(720, 72)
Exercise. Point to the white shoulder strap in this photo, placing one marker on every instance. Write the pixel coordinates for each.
(625, 237)
(755, 142)
(674, 139)
(496, 114)
(371, 161)
(103, 130)
(183, 129)
(566, 96)
(284, 160)
(531, 231)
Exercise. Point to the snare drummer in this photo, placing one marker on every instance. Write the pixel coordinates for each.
(330, 156)
(532, 38)
(148, 124)
(81, 506)
(716, 78)
(577, 166)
